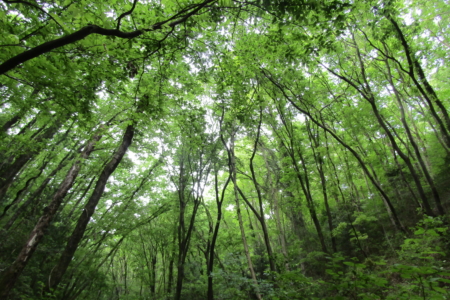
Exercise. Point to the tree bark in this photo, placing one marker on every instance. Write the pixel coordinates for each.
(428, 177)
(346, 146)
(219, 202)
(315, 143)
(427, 90)
(10, 275)
(241, 223)
(261, 217)
(8, 173)
(89, 209)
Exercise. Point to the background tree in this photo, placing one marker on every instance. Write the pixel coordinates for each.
(224, 149)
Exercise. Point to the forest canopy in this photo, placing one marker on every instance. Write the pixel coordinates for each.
(224, 149)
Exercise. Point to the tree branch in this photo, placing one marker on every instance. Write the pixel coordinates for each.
(88, 30)
(35, 6)
(126, 14)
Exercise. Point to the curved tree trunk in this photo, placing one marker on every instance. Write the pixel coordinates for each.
(423, 85)
(346, 146)
(261, 218)
(219, 202)
(424, 168)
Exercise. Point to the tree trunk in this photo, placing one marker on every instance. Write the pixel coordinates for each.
(241, 223)
(8, 173)
(11, 122)
(428, 177)
(219, 202)
(346, 146)
(367, 94)
(89, 209)
(304, 183)
(10, 275)
(37, 192)
(315, 144)
(261, 217)
(426, 90)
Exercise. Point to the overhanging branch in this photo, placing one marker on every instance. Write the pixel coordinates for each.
(90, 29)
(33, 5)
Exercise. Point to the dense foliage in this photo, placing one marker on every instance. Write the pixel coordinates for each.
(224, 149)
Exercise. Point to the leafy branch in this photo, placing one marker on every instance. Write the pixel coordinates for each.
(91, 29)
(35, 6)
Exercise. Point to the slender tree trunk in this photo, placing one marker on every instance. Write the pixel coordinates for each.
(9, 276)
(407, 161)
(346, 146)
(171, 261)
(89, 209)
(153, 273)
(428, 177)
(80, 198)
(7, 158)
(315, 144)
(219, 202)
(367, 94)
(125, 274)
(290, 144)
(18, 198)
(7, 173)
(304, 183)
(241, 223)
(280, 227)
(198, 167)
(330, 159)
(11, 122)
(275, 206)
(183, 249)
(423, 85)
(182, 232)
(261, 217)
(147, 262)
(327, 206)
(38, 191)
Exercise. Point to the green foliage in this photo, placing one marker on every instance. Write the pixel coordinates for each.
(419, 272)
(295, 285)
(430, 235)
(353, 280)
(349, 101)
(423, 263)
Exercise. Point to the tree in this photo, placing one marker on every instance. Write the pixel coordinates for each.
(223, 149)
